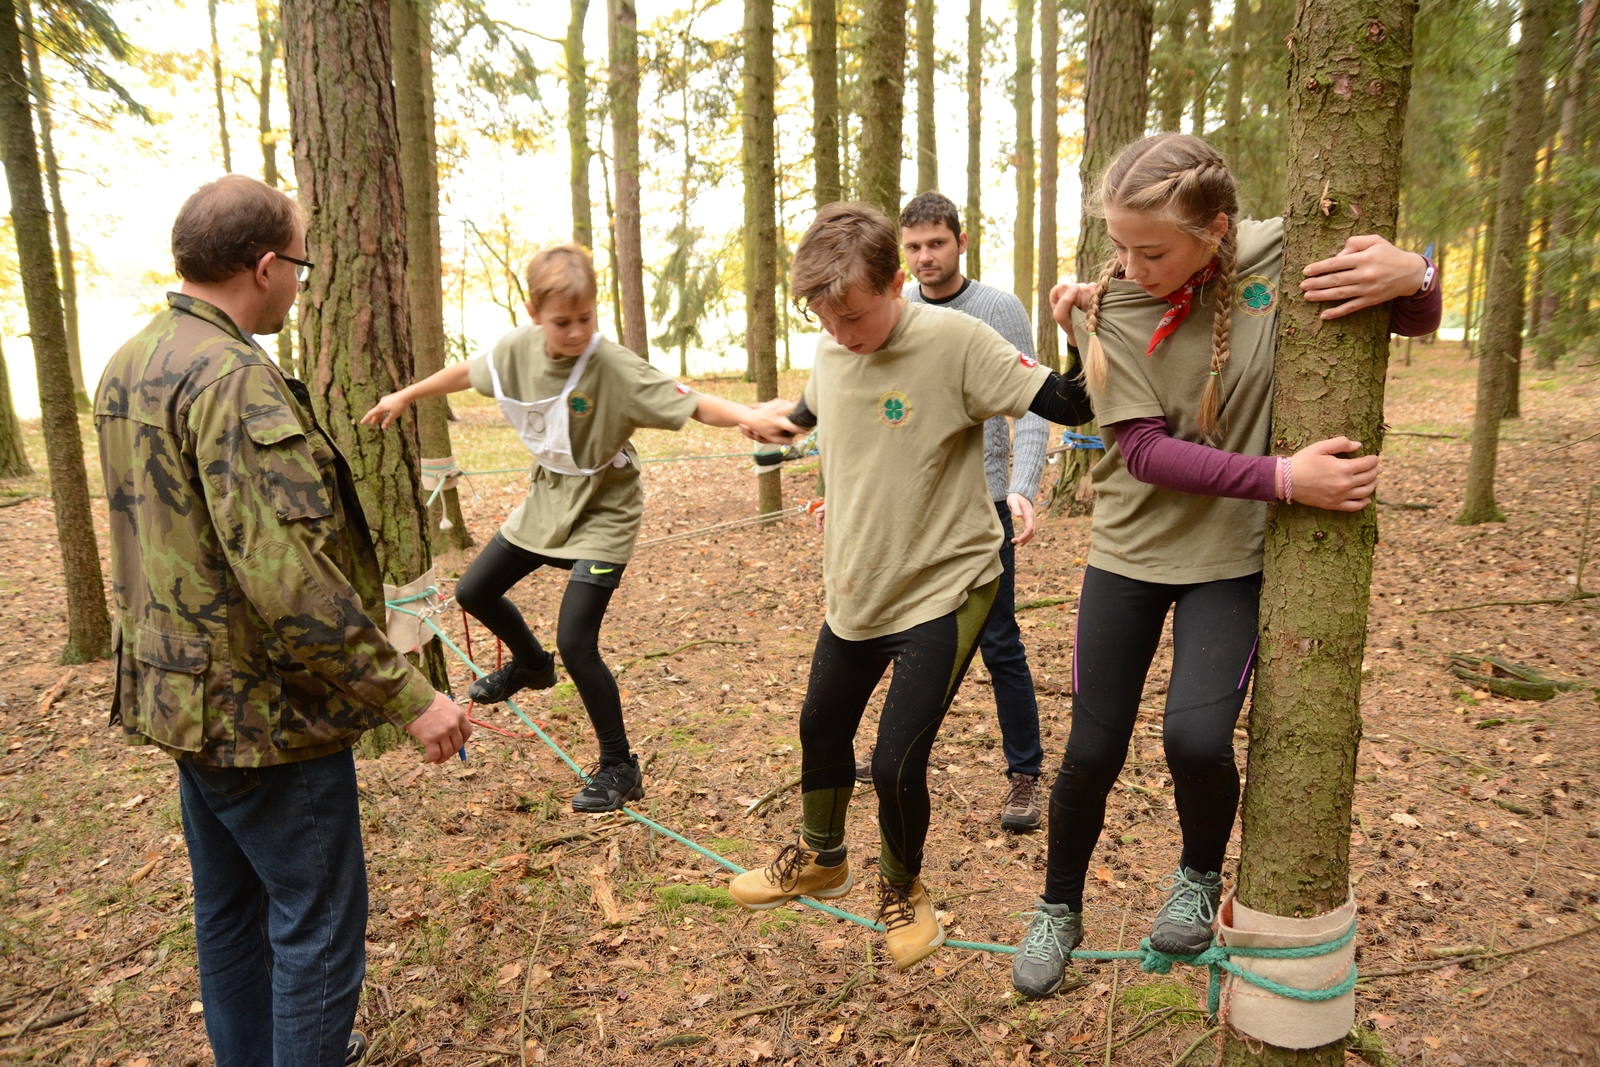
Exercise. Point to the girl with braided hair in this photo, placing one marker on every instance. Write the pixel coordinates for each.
(1181, 336)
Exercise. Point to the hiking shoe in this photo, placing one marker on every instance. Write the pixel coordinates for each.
(513, 678)
(1023, 810)
(355, 1048)
(1040, 965)
(910, 928)
(794, 873)
(1183, 925)
(864, 767)
(771, 459)
(611, 785)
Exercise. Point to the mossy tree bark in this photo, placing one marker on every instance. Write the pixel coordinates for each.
(1350, 75)
(624, 27)
(13, 456)
(1202, 84)
(974, 219)
(578, 125)
(927, 127)
(1023, 159)
(88, 622)
(883, 72)
(1508, 265)
(1233, 100)
(355, 322)
(760, 221)
(58, 210)
(823, 54)
(1574, 101)
(1045, 345)
(1177, 70)
(409, 22)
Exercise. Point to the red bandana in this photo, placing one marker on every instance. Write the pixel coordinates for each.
(1181, 299)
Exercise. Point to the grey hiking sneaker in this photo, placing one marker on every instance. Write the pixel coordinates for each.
(1040, 964)
(1183, 925)
(864, 767)
(1023, 810)
(512, 679)
(611, 785)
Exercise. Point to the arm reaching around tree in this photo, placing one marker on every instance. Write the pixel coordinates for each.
(764, 422)
(453, 379)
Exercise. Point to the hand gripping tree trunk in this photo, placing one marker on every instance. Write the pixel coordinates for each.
(578, 125)
(883, 70)
(419, 178)
(624, 27)
(1350, 72)
(974, 218)
(823, 52)
(1045, 345)
(760, 221)
(88, 623)
(1508, 264)
(355, 327)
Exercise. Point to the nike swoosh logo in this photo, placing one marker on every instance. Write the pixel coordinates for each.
(600, 570)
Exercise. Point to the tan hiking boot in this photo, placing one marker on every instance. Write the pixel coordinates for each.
(1024, 807)
(794, 873)
(910, 928)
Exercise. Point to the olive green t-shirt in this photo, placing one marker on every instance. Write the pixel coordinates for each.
(910, 527)
(1160, 535)
(570, 516)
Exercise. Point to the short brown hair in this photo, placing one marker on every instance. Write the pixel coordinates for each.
(565, 270)
(847, 245)
(931, 208)
(226, 226)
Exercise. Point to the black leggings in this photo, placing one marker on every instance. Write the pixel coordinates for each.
(1213, 650)
(929, 662)
(481, 591)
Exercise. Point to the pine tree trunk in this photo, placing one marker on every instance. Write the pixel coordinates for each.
(1233, 103)
(355, 322)
(883, 64)
(1202, 86)
(1472, 292)
(1305, 719)
(1176, 84)
(58, 210)
(824, 56)
(1049, 170)
(409, 22)
(1568, 158)
(625, 157)
(614, 281)
(13, 456)
(267, 32)
(1115, 98)
(1023, 160)
(578, 125)
(760, 222)
(1508, 265)
(216, 82)
(974, 218)
(88, 623)
(927, 128)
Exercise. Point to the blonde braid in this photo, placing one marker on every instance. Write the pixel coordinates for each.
(1094, 360)
(1221, 324)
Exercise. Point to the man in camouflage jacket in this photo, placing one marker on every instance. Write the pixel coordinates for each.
(246, 592)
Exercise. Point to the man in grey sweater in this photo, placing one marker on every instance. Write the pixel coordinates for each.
(931, 237)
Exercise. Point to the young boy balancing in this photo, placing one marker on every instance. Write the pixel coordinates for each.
(911, 550)
(575, 399)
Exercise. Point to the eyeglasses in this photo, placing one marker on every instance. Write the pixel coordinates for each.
(302, 267)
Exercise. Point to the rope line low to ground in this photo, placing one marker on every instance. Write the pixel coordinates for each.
(1216, 959)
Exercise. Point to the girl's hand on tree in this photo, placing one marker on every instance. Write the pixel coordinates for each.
(386, 411)
(1063, 298)
(1367, 272)
(1323, 480)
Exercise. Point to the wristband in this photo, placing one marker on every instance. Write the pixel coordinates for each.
(1287, 466)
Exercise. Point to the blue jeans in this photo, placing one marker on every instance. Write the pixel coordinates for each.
(1003, 654)
(280, 908)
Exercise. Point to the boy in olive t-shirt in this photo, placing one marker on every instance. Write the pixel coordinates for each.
(899, 393)
(575, 399)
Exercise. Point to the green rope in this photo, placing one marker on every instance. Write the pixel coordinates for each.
(1216, 959)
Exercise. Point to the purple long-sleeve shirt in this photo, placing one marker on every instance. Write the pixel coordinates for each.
(1155, 457)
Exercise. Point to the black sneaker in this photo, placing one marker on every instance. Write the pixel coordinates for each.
(513, 678)
(356, 1048)
(611, 785)
(1183, 925)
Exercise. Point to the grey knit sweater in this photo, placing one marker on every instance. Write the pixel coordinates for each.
(1003, 311)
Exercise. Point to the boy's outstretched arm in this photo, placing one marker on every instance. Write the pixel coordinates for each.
(453, 379)
(766, 423)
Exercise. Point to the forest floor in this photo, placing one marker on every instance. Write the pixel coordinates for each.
(499, 916)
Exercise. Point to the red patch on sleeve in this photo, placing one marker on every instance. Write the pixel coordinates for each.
(1027, 360)
(684, 389)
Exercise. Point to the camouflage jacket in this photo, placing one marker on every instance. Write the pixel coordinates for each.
(243, 570)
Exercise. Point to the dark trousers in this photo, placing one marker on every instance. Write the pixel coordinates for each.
(280, 908)
(1007, 660)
